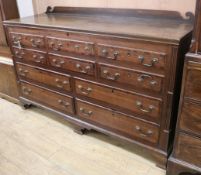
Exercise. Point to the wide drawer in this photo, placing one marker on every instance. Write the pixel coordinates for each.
(69, 45)
(23, 40)
(32, 56)
(53, 80)
(137, 103)
(188, 149)
(117, 122)
(140, 80)
(193, 81)
(72, 64)
(190, 119)
(145, 58)
(47, 98)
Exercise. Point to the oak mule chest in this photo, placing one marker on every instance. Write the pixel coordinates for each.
(114, 71)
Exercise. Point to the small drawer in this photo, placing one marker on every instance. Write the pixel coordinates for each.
(53, 80)
(72, 64)
(188, 149)
(27, 55)
(117, 122)
(137, 103)
(47, 98)
(143, 58)
(73, 46)
(27, 41)
(125, 76)
(193, 81)
(190, 119)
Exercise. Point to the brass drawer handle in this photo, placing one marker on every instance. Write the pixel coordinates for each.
(61, 83)
(142, 77)
(104, 52)
(38, 58)
(63, 103)
(108, 76)
(143, 133)
(58, 63)
(56, 47)
(85, 112)
(77, 47)
(84, 70)
(26, 91)
(152, 63)
(23, 72)
(87, 48)
(141, 107)
(19, 54)
(84, 91)
(115, 54)
(35, 42)
(17, 41)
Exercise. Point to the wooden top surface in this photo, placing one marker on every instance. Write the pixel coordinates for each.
(161, 29)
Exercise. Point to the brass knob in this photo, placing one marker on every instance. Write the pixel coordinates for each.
(104, 52)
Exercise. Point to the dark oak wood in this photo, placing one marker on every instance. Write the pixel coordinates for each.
(46, 78)
(188, 149)
(30, 56)
(72, 64)
(8, 10)
(137, 103)
(57, 101)
(138, 80)
(143, 57)
(186, 156)
(122, 124)
(123, 70)
(8, 84)
(196, 41)
(190, 120)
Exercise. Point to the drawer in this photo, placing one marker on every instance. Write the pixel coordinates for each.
(72, 64)
(137, 103)
(27, 55)
(119, 123)
(53, 80)
(21, 40)
(190, 119)
(193, 81)
(188, 149)
(125, 76)
(68, 45)
(47, 98)
(144, 58)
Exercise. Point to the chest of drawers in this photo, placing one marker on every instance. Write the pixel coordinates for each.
(102, 72)
(186, 156)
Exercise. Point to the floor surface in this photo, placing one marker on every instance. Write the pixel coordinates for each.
(36, 142)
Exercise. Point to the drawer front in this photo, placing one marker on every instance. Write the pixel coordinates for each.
(193, 81)
(120, 123)
(73, 46)
(72, 64)
(188, 149)
(133, 102)
(27, 41)
(129, 77)
(47, 98)
(50, 79)
(25, 55)
(191, 118)
(134, 56)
